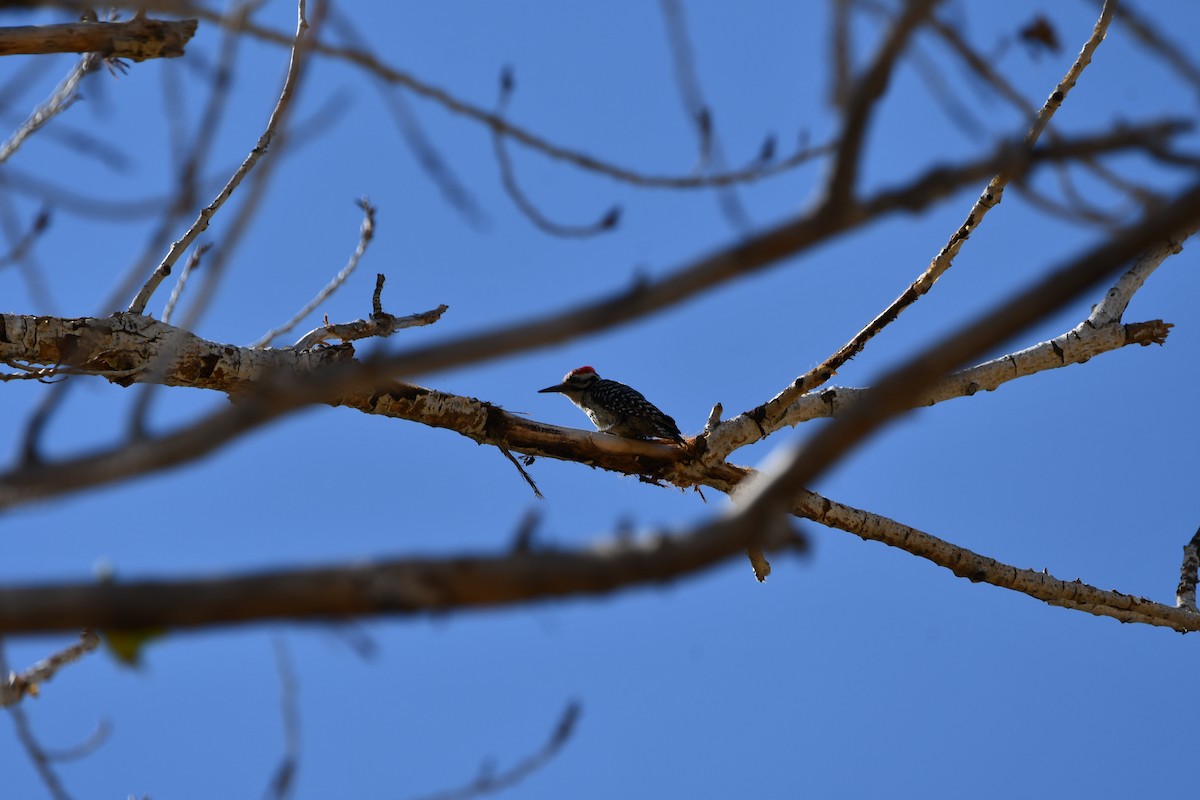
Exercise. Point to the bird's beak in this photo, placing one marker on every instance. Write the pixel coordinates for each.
(560, 387)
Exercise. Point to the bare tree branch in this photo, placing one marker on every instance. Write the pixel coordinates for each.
(1157, 44)
(765, 249)
(1076, 346)
(17, 685)
(381, 324)
(273, 384)
(770, 495)
(41, 761)
(489, 782)
(699, 111)
(1101, 332)
(373, 65)
(137, 39)
(265, 384)
(841, 56)
(1042, 586)
(422, 146)
(285, 774)
(54, 105)
(366, 232)
(411, 587)
(765, 419)
(402, 587)
(36, 229)
(840, 188)
(23, 254)
(508, 179)
(299, 48)
(188, 268)
(983, 70)
(421, 585)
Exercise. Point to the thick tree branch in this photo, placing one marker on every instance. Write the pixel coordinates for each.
(418, 586)
(411, 587)
(136, 39)
(93, 345)
(275, 381)
(403, 587)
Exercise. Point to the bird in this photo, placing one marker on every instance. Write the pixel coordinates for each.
(614, 407)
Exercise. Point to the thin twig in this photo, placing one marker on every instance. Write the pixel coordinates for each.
(934, 77)
(141, 406)
(1112, 308)
(201, 224)
(177, 291)
(252, 200)
(377, 295)
(16, 686)
(41, 761)
(1076, 210)
(528, 479)
(983, 70)
(369, 62)
(58, 102)
(489, 782)
(1157, 44)
(700, 113)
(366, 232)
(381, 324)
(422, 146)
(523, 537)
(508, 179)
(842, 184)
(841, 52)
(90, 744)
(285, 774)
(23, 252)
(41, 222)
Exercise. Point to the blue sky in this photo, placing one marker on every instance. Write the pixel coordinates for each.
(858, 672)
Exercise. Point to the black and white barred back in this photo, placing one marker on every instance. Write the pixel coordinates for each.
(616, 408)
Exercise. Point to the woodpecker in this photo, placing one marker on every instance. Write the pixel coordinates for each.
(614, 407)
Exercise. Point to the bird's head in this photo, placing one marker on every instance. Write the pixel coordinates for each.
(576, 380)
